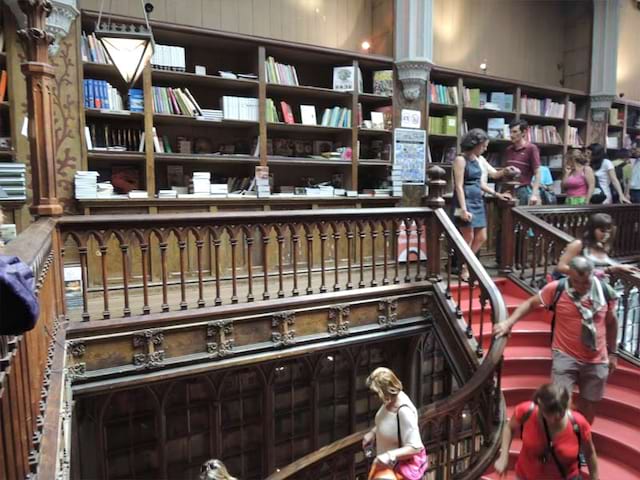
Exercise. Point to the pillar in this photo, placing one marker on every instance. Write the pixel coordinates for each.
(40, 90)
(604, 61)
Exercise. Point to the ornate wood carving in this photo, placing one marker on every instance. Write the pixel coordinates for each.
(76, 371)
(222, 333)
(387, 312)
(150, 341)
(283, 334)
(338, 325)
(76, 349)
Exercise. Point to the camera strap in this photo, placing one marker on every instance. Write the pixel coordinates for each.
(552, 451)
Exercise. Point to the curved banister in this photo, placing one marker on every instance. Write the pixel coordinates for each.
(475, 386)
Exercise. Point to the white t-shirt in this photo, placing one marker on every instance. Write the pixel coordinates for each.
(634, 183)
(387, 427)
(486, 168)
(602, 174)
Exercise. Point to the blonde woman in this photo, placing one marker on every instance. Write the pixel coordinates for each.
(214, 470)
(578, 180)
(399, 451)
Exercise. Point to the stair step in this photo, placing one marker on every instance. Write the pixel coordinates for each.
(616, 440)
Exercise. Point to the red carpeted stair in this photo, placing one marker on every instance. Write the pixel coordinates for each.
(527, 365)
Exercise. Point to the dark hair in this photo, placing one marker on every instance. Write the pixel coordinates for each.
(552, 398)
(473, 138)
(598, 153)
(519, 123)
(602, 221)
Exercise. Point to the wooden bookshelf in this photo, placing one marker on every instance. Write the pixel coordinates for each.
(244, 54)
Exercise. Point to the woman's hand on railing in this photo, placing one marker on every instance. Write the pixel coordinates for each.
(502, 329)
(501, 465)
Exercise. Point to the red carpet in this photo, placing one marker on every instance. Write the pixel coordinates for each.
(616, 430)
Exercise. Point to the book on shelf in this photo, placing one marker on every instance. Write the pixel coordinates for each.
(343, 78)
(543, 134)
(86, 184)
(308, 114)
(613, 141)
(571, 109)
(339, 117)
(287, 112)
(383, 82)
(436, 125)
(175, 101)
(377, 120)
(169, 57)
(240, 108)
(443, 94)
(102, 95)
(497, 128)
(574, 137)
(280, 73)
(138, 194)
(3, 85)
(92, 50)
(616, 117)
(450, 125)
(544, 107)
(175, 175)
(262, 181)
(552, 161)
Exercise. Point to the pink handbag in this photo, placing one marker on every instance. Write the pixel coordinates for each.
(414, 467)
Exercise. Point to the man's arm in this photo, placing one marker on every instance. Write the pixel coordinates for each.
(535, 186)
(503, 328)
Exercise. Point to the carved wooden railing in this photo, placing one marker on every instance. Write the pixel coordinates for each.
(160, 263)
(461, 433)
(31, 369)
(628, 286)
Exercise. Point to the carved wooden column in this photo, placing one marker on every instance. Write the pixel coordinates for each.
(434, 200)
(39, 74)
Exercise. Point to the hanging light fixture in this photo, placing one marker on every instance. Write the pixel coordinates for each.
(130, 47)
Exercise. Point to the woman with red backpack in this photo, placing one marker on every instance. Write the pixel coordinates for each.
(553, 436)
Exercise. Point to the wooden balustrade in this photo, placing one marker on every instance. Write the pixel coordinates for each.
(628, 286)
(31, 377)
(461, 432)
(140, 264)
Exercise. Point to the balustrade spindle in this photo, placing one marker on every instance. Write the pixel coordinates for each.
(385, 237)
(233, 232)
(280, 241)
(361, 234)
(105, 280)
(309, 231)
(625, 318)
(373, 226)
(124, 253)
(407, 230)
(199, 246)
(483, 306)
(396, 249)
(322, 227)
(470, 323)
(265, 231)
(419, 235)
(215, 234)
(295, 239)
(144, 251)
(248, 235)
(182, 245)
(536, 246)
(336, 257)
(84, 269)
(350, 252)
(459, 302)
(165, 275)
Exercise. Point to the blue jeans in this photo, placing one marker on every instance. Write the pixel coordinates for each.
(635, 195)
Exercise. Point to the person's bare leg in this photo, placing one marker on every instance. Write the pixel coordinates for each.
(479, 237)
(467, 234)
(587, 408)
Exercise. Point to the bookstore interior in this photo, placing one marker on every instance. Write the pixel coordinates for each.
(216, 118)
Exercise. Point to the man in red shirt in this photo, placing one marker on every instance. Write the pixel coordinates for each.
(526, 157)
(585, 335)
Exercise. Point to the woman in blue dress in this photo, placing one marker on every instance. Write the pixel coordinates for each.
(468, 187)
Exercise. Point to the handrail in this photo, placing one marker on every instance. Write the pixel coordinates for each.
(475, 386)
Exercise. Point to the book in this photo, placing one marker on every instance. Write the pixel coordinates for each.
(175, 175)
(287, 113)
(3, 85)
(495, 127)
(383, 82)
(344, 78)
(308, 114)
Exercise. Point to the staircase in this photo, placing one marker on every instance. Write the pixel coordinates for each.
(527, 365)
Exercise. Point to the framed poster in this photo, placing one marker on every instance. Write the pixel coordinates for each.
(410, 154)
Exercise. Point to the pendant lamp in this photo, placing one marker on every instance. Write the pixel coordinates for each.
(129, 46)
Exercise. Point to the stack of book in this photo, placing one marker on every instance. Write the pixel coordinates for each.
(12, 181)
(136, 100)
(396, 180)
(280, 73)
(168, 57)
(138, 194)
(104, 189)
(240, 108)
(175, 101)
(320, 191)
(336, 117)
(447, 125)
(574, 137)
(212, 115)
(545, 107)
(571, 110)
(167, 194)
(201, 182)
(92, 50)
(443, 94)
(263, 188)
(86, 183)
(218, 189)
(474, 98)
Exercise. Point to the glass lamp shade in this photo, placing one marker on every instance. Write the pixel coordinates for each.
(128, 53)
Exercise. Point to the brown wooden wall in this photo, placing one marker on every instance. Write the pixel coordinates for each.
(628, 59)
(255, 418)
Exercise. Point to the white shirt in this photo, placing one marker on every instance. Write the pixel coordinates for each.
(486, 168)
(602, 174)
(387, 427)
(634, 183)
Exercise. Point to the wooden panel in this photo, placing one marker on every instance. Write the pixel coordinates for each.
(628, 59)
(520, 40)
